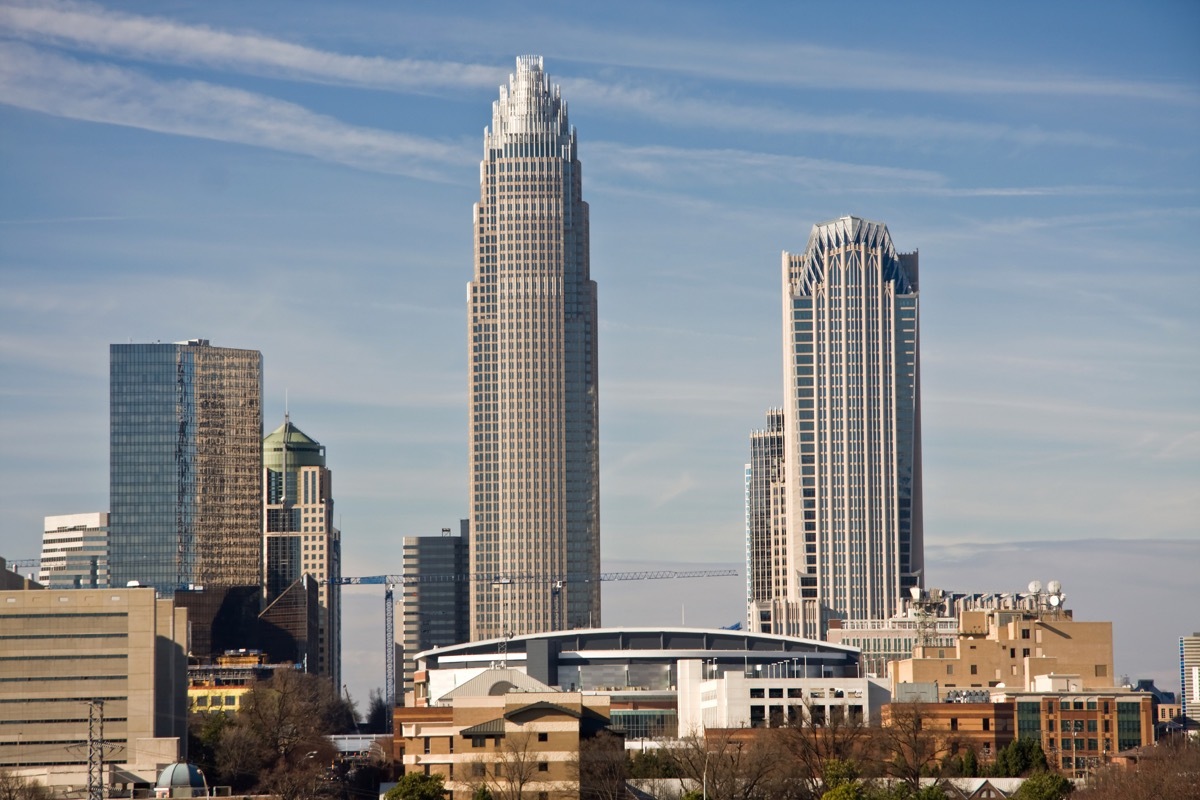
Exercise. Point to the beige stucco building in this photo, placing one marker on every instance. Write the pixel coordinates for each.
(63, 650)
(503, 730)
(1009, 648)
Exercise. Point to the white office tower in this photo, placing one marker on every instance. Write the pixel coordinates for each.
(534, 476)
(852, 427)
(75, 551)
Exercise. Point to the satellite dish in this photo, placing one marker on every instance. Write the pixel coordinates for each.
(1054, 587)
(1055, 600)
(1035, 586)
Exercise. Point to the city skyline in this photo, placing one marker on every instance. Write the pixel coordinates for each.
(534, 489)
(211, 170)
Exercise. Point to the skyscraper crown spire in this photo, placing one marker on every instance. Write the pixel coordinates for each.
(530, 118)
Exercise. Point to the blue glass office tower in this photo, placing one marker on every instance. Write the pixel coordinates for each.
(185, 465)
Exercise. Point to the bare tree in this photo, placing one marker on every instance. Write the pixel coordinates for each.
(816, 741)
(906, 747)
(278, 738)
(507, 772)
(601, 767)
(15, 787)
(1169, 769)
(736, 765)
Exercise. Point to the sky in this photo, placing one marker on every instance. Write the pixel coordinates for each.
(298, 178)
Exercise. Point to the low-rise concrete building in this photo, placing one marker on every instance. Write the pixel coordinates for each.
(1007, 648)
(73, 659)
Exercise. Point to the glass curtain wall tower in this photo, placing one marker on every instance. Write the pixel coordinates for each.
(534, 476)
(185, 465)
(853, 425)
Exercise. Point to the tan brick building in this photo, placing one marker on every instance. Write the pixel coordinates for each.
(63, 649)
(524, 739)
(1008, 648)
(982, 727)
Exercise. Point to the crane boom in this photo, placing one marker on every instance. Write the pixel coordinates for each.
(650, 575)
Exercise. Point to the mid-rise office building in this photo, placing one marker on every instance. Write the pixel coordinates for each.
(185, 465)
(299, 539)
(434, 605)
(852, 425)
(1011, 647)
(75, 551)
(114, 657)
(534, 454)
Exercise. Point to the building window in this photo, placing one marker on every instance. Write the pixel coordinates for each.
(1025, 633)
(478, 741)
(974, 669)
(987, 724)
(949, 669)
(542, 737)
(543, 766)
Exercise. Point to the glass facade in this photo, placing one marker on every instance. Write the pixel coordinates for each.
(853, 420)
(534, 452)
(435, 607)
(185, 434)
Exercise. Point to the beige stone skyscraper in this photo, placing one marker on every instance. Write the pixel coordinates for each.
(852, 430)
(535, 498)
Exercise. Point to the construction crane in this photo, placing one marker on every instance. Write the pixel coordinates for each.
(392, 581)
(23, 563)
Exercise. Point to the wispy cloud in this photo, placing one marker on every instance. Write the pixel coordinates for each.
(804, 65)
(91, 28)
(733, 166)
(65, 87)
(94, 29)
(669, 108)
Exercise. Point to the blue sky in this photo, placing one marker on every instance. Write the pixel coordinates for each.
(298, 178)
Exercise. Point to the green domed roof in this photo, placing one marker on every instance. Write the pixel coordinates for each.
(301, 449)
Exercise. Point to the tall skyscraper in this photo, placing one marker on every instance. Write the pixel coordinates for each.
(185, 465)
(299, 538)
(534, 475)
(852, 425)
